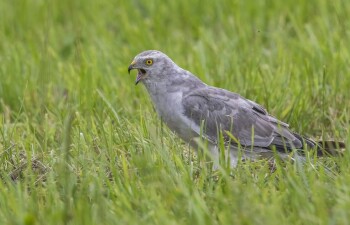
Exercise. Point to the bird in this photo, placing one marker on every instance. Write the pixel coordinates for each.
(199, 113)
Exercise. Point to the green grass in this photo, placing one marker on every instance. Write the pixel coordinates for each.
(80, 144)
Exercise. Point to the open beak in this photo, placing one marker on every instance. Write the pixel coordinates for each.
(131, 67)
(141, 73)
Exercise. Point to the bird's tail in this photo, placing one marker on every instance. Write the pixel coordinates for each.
(323, 148)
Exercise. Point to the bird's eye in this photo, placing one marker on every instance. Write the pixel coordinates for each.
(149, 62)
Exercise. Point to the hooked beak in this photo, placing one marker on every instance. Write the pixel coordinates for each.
(131, 67)
(140, 74)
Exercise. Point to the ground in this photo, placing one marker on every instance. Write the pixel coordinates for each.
(81, 144)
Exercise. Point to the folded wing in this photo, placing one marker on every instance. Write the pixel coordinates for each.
(218, 110)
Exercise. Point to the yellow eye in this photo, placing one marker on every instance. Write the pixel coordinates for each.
(149, 62)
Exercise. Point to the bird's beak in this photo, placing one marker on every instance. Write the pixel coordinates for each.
(140, 74)
(131, 67)
(138, 78)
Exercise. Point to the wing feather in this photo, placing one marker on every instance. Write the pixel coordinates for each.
(220, 110)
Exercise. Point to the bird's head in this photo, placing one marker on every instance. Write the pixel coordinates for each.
(151, 66)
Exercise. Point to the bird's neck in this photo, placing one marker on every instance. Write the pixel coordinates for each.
(155, 89)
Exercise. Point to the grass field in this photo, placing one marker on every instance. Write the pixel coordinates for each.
(81, 144)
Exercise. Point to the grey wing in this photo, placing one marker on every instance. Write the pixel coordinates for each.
(220, 110)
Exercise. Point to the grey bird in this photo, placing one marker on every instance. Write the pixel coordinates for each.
(197, 111)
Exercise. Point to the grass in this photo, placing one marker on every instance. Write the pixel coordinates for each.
(80, 144)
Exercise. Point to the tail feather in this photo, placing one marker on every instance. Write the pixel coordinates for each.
(323, 148)
(330, 147)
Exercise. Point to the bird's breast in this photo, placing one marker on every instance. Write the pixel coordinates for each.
(170, 110)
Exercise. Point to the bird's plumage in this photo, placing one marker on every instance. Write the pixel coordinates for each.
(228, 112)
(191, 108)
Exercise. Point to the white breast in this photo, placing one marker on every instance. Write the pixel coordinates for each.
(170, 110)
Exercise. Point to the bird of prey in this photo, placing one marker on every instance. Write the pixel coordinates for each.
(195, 110)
